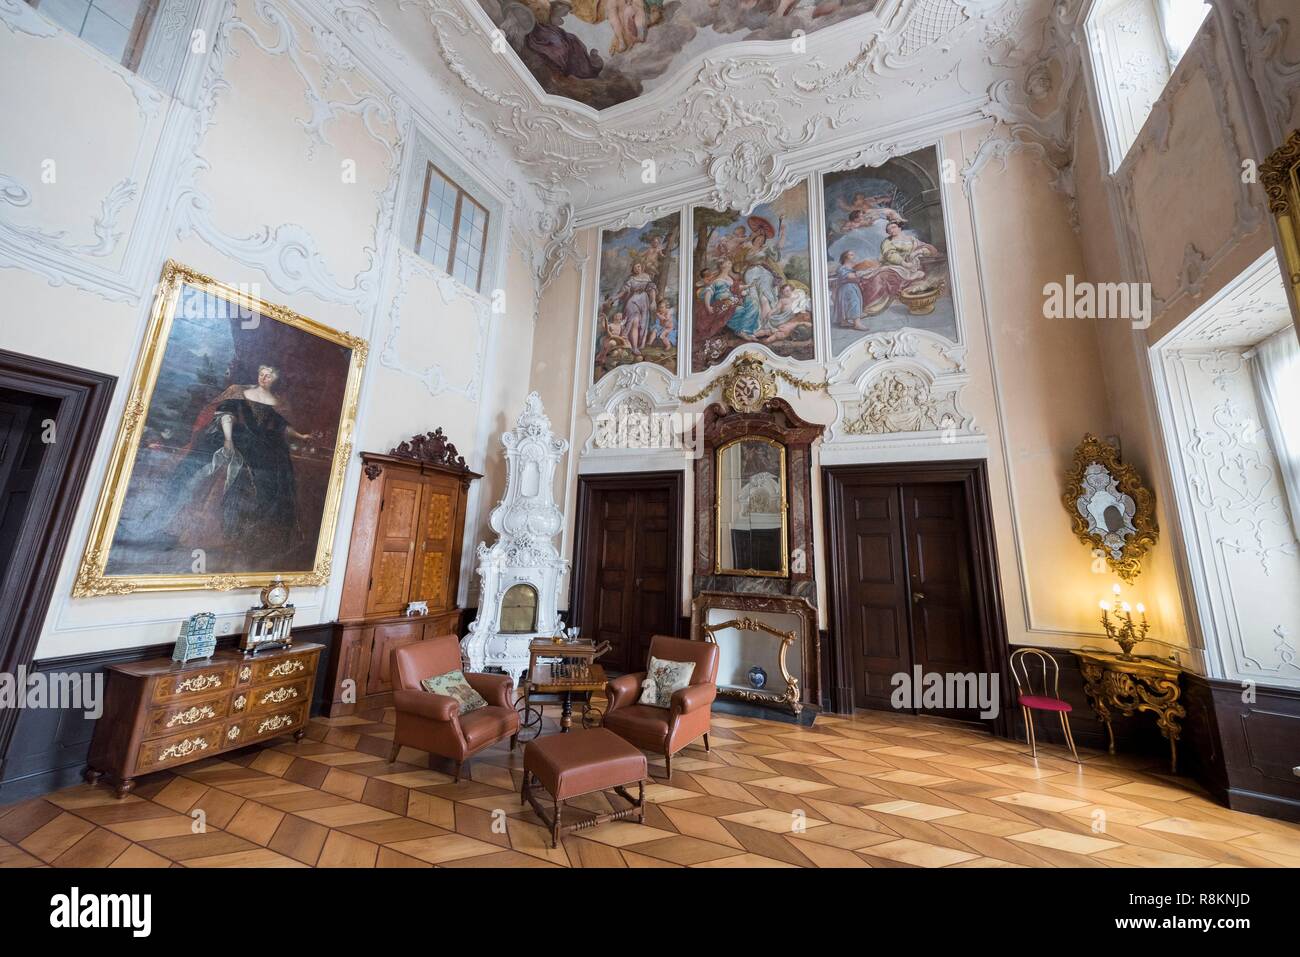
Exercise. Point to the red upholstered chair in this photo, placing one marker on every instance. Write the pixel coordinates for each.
(1036, 696)
(432, 722)
(666, 730)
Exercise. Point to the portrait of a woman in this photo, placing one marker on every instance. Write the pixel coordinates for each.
(236, 480)
(233, 470)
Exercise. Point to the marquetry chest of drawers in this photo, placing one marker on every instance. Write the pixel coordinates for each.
(159, 714)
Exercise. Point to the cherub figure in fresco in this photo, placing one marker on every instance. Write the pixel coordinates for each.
(863, 212)
(649, 257)
(730, 245)
(664, 328)
(790, 311)
(613, 343)
(630, 22)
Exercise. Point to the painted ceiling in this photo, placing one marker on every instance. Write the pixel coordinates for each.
(605, 52)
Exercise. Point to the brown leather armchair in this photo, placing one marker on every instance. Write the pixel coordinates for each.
(432, 722)
(666, 730)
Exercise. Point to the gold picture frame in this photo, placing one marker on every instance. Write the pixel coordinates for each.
(719, 455)
(1279, 174)
(92, 577)
(1111, 509)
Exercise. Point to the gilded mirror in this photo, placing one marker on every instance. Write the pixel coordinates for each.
(751, 510)
(1111, 510)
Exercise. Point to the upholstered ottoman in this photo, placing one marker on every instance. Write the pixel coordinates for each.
(567, 766)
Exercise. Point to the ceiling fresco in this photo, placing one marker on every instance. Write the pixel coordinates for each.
(606, 52)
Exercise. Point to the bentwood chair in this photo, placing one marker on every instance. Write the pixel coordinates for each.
(433, 722)
(1022, 672)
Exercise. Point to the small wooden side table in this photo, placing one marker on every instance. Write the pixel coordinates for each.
(567, 679)
(1127, 687)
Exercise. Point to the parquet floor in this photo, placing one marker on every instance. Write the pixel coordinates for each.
(874, 790)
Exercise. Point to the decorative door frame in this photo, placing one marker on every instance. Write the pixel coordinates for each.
(588, 484)
(972, 475)
(28, 583)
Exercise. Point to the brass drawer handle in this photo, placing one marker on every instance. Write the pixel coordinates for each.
(280, 694)
(192, 716)
(183, 748)
(199, 683)
(275, 722)
(286, 668)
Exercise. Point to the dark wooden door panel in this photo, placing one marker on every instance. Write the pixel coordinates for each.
(945, 633)
(905, 594)
(626, 567)
(877, 599)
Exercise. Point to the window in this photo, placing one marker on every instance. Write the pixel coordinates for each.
(1179, 21)
(117, 28)
(1135, 46)
(452, 232)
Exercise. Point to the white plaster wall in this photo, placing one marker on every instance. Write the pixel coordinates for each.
(246, 174)
(1243, 540)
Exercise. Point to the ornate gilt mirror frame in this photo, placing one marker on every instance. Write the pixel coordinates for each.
(784, 505)
(1280, 177)
(1124, 559)
(789, 699)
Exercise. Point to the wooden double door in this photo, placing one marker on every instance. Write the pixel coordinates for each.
(906, 588)
(627, 563)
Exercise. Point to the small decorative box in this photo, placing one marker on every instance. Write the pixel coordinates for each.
(198, 638)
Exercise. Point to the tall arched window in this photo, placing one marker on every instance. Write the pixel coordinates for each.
(1135, 45)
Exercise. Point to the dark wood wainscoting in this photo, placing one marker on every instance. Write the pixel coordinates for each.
(963, 584)
(1246, 753)
(50, 745)
(627, 562)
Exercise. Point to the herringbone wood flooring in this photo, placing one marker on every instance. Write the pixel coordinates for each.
(874, 790)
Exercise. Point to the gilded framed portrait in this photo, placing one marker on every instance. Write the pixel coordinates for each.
(228, 466)
(1280, 177)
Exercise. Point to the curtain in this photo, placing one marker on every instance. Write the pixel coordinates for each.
(1277, 381)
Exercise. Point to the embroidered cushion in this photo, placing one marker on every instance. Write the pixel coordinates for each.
(454, 685)
(662, 679)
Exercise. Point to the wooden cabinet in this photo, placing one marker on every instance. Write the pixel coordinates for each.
(407, 536)
(159, 714)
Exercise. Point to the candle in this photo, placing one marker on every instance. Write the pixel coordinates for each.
(1104, 605)
(1142, 609)
(1115, 588)
(1125, 606)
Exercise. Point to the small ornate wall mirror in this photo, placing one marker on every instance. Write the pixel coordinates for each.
(751, 510)
(1111, 510)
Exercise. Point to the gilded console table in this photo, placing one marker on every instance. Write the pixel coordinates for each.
(1114, 684)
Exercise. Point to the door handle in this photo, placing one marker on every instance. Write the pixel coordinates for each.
(918, 597)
